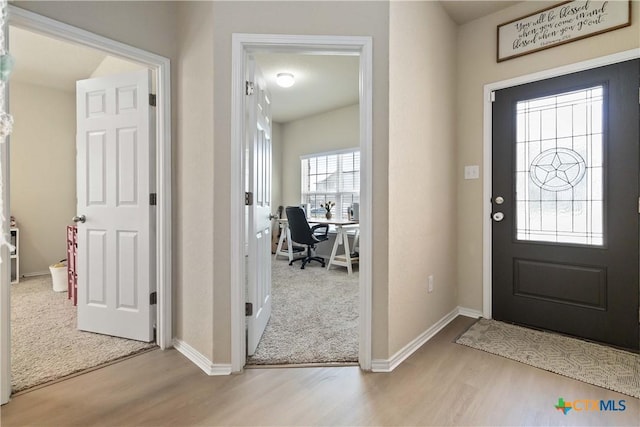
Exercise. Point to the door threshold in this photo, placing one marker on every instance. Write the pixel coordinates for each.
(304, 365)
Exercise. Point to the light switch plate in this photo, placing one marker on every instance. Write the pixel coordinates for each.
(472, 172)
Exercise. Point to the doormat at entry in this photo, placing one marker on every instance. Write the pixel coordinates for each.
(584, 361)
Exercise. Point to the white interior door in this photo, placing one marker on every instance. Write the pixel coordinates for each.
(114, 182)
(258, 142)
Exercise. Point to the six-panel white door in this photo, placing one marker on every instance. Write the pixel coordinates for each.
(258, 142)
(114, 182)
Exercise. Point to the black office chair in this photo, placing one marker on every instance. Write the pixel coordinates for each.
(303, 234)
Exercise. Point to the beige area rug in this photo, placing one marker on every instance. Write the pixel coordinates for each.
(45, 344)
(314, 316)
(584, 361)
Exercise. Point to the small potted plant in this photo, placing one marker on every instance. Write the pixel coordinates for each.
(327, 207)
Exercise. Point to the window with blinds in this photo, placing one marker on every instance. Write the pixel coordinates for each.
(331, 177)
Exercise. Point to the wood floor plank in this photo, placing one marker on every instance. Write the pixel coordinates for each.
(443, 383)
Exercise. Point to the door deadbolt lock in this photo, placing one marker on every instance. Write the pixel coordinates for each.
(498, 216)
(499, 200)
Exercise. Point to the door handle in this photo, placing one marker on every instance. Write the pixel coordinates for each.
(497, 216)
(80, 218)
(272, 216)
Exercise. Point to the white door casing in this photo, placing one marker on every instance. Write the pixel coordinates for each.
(163, 263)
(258, 141)
(114, 182)
(242, 44)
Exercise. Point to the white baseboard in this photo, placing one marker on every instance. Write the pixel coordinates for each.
(36, 273)
(468, 312)
(388, 365)
(201, 361)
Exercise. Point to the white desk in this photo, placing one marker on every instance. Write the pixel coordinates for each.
(285, 236)
(342, 238)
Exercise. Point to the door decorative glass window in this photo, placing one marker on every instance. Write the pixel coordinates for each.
(559, 168)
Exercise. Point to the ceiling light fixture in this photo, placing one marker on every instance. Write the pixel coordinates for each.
(285, 79)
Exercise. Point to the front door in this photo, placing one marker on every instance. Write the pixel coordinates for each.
(258, 143)
(565, 204)
(114, 182)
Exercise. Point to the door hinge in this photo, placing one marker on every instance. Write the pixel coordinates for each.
(153, 298)
(152, 99)
(492, 96)
(153, 199)
(249, 88)
(248, 309)
(248, 198)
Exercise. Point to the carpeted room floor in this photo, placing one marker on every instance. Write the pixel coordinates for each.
(314, 316)
(45, 344)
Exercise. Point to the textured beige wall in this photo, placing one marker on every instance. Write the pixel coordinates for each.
(422, 160)
(477, 66)
(276, 166)
(194, 183)
(318, 18)
(112, 65)
(333, 130)
(148, 25)
(43, 172)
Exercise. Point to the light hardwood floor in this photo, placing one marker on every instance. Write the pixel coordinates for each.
(443, 383)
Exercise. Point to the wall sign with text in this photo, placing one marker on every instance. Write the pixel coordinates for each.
(565, 23)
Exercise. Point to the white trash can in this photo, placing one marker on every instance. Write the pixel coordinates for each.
(59, 276)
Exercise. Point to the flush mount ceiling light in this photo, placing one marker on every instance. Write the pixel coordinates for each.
(285, 79)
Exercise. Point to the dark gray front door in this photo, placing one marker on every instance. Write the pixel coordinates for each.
(565, 204)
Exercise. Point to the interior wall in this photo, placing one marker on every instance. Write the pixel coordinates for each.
(194, 198)
(477, 66)
(277, 144)
(333, 130)
(358, 18)
(422, 168)
(43, 172)
(111, 65)
(143, 24)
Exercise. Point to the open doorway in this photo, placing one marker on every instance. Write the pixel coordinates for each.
(160, 169)
(47, 343)
(314, 132)
(243, 47)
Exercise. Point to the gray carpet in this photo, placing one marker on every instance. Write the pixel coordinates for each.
(314, 316)
(584, 361)
(45, 344)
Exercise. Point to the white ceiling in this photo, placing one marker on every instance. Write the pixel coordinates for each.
(49, 62)
(323, 82)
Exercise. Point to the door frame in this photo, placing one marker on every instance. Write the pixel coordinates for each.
(242, 45)
(487, 257)
(49, 27)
